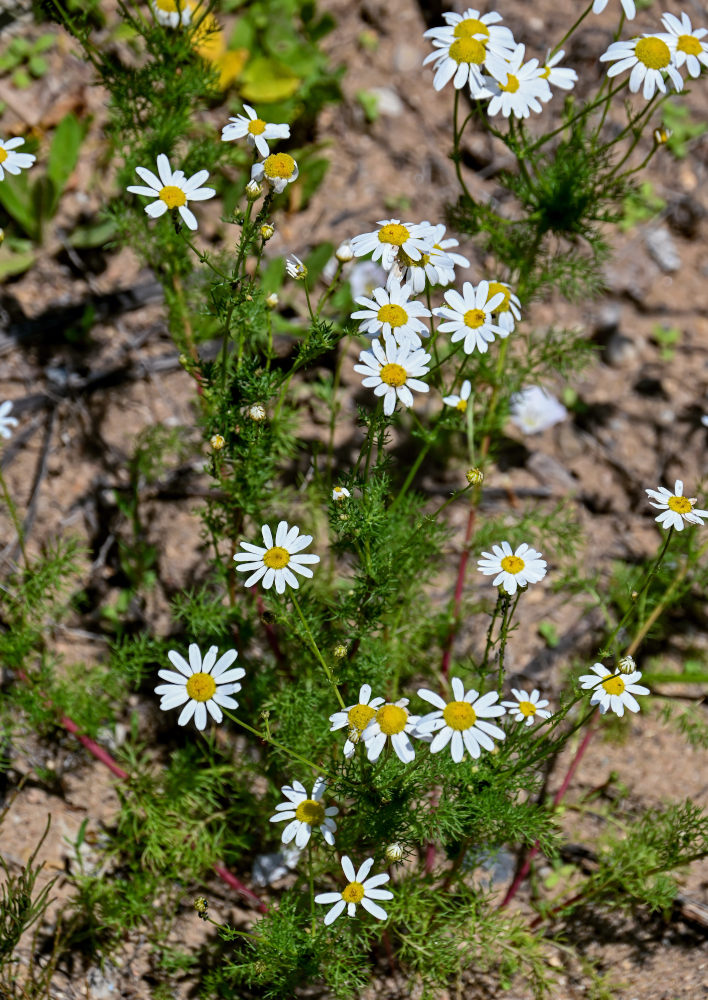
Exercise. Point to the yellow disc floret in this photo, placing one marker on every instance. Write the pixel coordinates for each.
(393, 233)
(201, 687)
(527, 708)
(394, 375)
(354, 893)
(459, 715)
(468, 50)
(279, 165)
(688, 44)
(393, 315)
(3, 155)
(461, 405)
(256, 126)
(276, 557)
(511, 85)
(512, 564)
(682, 505)
(613, 685)
(310, 811)
(360, 716)
(470, 26)
(392, 719)
(173, 196)
(474, 318)
(496, 288)
(653, 52)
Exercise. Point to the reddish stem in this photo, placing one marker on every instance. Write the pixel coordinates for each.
(526, 866)
(464, 558)
(231, 880)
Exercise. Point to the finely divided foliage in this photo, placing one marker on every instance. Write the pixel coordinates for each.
(377, 686)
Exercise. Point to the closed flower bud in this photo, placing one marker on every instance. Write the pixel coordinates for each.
(257, 412)
(217, 442)
(626, 665)
(474, 477)
(344, 252)
(393, 853)
(201, 906)
(339, 651)
(272, 300)
(267, 230)
(253, 190)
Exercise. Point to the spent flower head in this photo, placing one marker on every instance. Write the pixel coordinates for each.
(278, 170)
(295, 268)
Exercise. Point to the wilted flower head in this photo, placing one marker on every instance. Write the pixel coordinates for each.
(217, 442)
(295, 268)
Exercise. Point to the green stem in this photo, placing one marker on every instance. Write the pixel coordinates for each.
(330, 288)
(311, 878)
(570, 30)
(495, 615)
(411, 474)
(14, 517)
(315, 650)
(457, 135)
(267, 738)
(571, 121)
(203, 257)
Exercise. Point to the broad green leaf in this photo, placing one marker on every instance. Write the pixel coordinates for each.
(14, 263)
(64, 154)
(266, 80)
(16, 199)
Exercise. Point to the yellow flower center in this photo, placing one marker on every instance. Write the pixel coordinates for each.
(311, 812)
(394, 375)
(392, 314)
(257, 126)
(3, 155)
(511, 85)
(474, 318)
(276, 557)
(392, 719)
(201, 687)
(459, 715)
(393, 233)
(172, 196)
(527, 708)
(169, 6)
(690, 45)
(461, 405)
(496, 288)
(546, 73)
(468, 50)
(279, 165)
(354, 893)
(613, 685)
(360, 716)
(682, 505)
(470, 26)
(512, 564)
(654, 53)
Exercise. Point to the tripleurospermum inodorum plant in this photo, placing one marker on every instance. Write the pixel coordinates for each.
(373, 682)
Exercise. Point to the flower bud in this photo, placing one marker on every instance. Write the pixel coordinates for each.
(662, 135)
(257, 412)
(201, 906)
(339, 651)
(253, 190)
(393, 853)
(267, 230)
(626, 665)
(340, 493)
(474, 477)
(344, 252)
(271, 300)
(217, 441)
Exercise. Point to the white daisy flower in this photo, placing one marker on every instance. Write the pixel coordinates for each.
(675, 507)
(356, 718)
(391, 312)
(278, 562)
(6, 421)
(558, 76)
(172, 13)
(690, 49)
(340, 493)
(469, 316)
(613, 691)
(460, 402)
(304, 813)
(527, 707)
(512, 569)
(172, 190)
(269, 868)
(508, 312)
(256, 130)
(10, 160)
(392, 371)
(462, 722)
(534, 410)
(437, 266)
(295, 268)
(279, 169)
(392, 722)
(359, 890)
(202, 684)
(392, 236)
(628, 6)
(520, 86)
(463, 46)
(649, 58)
